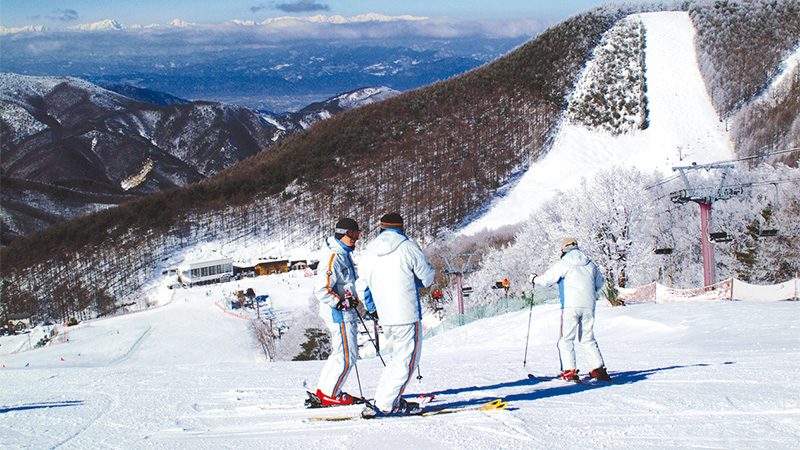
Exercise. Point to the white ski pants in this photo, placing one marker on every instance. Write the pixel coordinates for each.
(344, 354)
(405, 342)
(578, 323)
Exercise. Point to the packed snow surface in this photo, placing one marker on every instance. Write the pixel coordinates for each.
(684, 128)
(188, 375)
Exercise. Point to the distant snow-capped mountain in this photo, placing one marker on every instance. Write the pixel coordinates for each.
(26, 29)
(315, 112)
(97, 26)
(110, 24)
(181, 23)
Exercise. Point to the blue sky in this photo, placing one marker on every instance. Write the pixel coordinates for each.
(63, 13)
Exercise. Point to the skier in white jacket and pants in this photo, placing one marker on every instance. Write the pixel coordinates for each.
(391, 270)
(579, 280)
(335, 289)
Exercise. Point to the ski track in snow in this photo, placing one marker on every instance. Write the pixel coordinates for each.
(684, 128)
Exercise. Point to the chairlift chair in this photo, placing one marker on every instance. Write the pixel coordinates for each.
(719, 236)
(770, 232)
(767, 232)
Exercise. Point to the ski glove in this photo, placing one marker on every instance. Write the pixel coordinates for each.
(371, 315)
(349, 301)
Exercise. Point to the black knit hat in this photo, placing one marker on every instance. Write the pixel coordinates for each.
(392, 220)
(344, 225)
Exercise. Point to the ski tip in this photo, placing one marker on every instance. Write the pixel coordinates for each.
(495, 405)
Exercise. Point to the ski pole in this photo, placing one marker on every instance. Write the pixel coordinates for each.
(530, 314)
(369, 336)
(377, 339)
(358, 377)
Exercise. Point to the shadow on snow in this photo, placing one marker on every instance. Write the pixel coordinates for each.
(43, 405)
(619, 378)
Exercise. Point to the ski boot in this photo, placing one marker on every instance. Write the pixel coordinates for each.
(320, 400)
(405, 408)
(370, 412)
(569, 375)
(600, 374)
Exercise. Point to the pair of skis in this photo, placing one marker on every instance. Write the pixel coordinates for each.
(493, 405)
(586, 380)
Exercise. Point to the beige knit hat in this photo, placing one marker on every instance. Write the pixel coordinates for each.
(567, 244)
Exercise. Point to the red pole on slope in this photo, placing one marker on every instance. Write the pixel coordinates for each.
(707, 246)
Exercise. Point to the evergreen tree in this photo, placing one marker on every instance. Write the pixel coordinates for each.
(316, 346)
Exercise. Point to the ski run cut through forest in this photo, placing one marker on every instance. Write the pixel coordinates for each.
(188, 374)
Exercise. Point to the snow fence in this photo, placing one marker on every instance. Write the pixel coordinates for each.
(730, 289)
(502, 306)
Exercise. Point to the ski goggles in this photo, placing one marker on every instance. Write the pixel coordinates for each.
(352, 234)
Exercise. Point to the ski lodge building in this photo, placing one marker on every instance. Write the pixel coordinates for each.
(197, 274)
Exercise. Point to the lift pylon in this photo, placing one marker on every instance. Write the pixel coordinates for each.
(705, 197)
(459, 272)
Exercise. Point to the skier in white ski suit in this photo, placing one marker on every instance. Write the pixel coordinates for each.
(579, 280)
(391, 270)
(335, 289)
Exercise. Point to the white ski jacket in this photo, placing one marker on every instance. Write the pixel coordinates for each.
(391, 270)
(579, 280)
(336, 276)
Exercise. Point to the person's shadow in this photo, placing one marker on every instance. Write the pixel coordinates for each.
(627, 377)
(42, 405)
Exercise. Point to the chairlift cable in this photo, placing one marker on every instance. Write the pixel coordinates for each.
(746, 158)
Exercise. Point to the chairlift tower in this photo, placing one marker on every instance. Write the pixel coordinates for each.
(459, 272)
(705, 197)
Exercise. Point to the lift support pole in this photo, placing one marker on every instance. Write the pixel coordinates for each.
(705, 197)
(709, 276)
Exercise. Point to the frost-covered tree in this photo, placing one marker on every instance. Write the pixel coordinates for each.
(770, 201)
(612, 92)
(619, 218)
(610, 215)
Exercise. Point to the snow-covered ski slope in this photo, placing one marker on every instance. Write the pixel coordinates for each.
(684, 128)
(188, 376)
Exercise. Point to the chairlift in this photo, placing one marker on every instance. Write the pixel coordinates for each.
(663, 251)
(769, 232)
(719, 236)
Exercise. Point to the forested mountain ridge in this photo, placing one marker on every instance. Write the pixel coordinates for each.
(437, 154)
(70, 147)
(740, 47)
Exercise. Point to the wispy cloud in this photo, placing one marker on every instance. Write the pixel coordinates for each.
(64, 15)
(300, 6)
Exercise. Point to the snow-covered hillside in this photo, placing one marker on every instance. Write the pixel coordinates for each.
(684, 128)
(188, 376)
